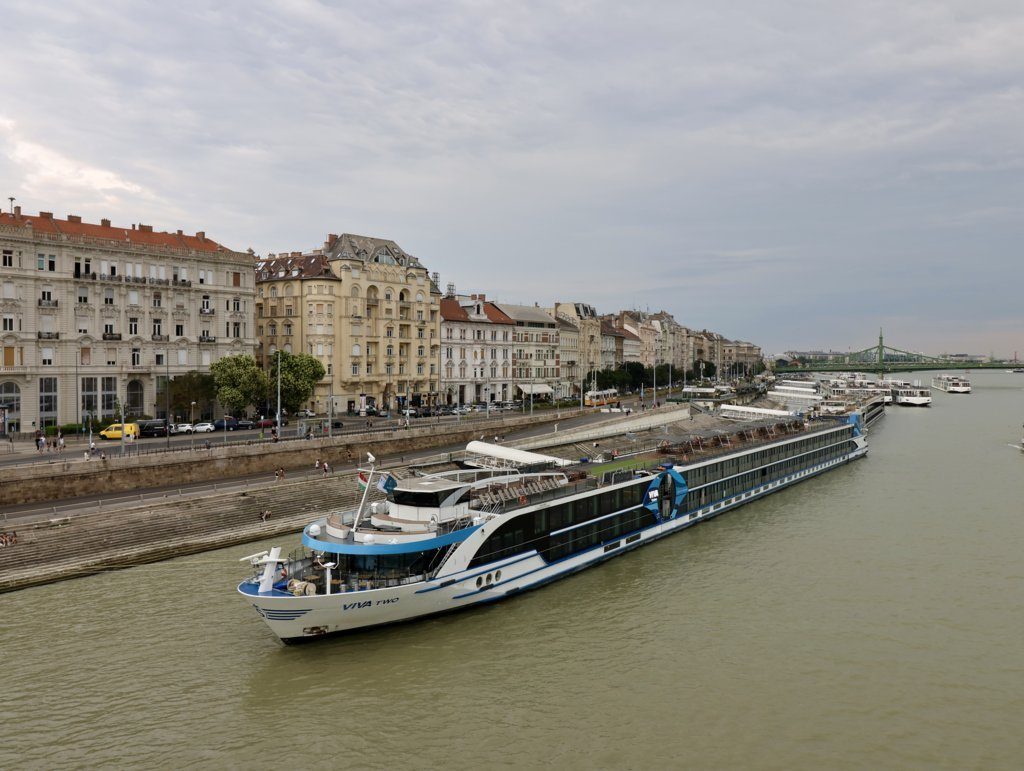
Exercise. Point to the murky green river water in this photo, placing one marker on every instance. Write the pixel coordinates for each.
(871, 618)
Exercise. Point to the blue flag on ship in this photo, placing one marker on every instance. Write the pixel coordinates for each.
(387, 483)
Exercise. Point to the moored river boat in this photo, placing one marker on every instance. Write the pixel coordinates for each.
(468, 536)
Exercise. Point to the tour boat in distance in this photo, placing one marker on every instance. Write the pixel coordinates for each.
(506, 521)
(906, 395)
(952, 384)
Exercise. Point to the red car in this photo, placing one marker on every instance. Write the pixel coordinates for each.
(270, 423)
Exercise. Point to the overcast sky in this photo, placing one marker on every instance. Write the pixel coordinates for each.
(796, 174)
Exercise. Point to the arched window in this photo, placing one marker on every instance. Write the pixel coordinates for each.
(287, 290)
(273, 329)
(273, 291)
(288, 348)
(387, 294)
(403, 296)
(355, 291)
(419, 297)
(356, 350)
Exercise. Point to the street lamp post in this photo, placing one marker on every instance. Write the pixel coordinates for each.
(167, 397)
(191, 422)
(279, 392)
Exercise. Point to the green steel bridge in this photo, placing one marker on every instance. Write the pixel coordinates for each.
(883, 358)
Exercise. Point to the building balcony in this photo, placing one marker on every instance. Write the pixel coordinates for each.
(160, 281)
(206, 311)
(207, 339)
(14, 368)
(135, 280)
(160, 338)
(46, 303)
(48, 335)
(108, 277)
(180, 282)
(111, 335)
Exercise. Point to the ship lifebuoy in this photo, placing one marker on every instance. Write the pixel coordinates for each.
(284, 572)
(522, 499)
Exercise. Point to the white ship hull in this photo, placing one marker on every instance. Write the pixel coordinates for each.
(295, 619)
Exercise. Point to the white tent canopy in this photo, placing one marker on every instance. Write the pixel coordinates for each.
(535, 388)
(503, 452)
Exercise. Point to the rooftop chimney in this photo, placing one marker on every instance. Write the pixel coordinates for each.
(180, 233)
(46, 215)
(17, 211)
(145, 228)
(201, 235)
(74, 218)
(105, 223)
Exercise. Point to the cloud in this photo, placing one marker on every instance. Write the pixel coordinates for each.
(705, 158)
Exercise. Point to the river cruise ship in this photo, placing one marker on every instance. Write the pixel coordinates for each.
(916, 395)
(488, 530)
(952, 384)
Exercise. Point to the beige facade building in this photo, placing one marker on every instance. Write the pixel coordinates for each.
(96, 315)
(368, 310)
(536, 362)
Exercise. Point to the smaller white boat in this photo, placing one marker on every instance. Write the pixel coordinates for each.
(911, 395)
(952, 384)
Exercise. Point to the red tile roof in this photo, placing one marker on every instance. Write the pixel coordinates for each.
(496, 315)
(143, 235)
(452, 311)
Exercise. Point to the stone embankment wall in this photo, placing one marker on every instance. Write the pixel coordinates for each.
(72, 547)
(73, 478)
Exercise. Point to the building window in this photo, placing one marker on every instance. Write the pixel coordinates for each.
(156, 299)
(108, 296)
(47, 357)
(369, 368)
(236, 305)
(40, 262)
(108, 329)
(83, 295)
(133, 325)
(205, 304)
(390, 350)
(157, 327)
(86, 356)
(179, 330)
(47, 401)
(136, 357)
(8, 323)
(236, 279)
(8, 258)
(273, 291)
(160, 359)
(390, 332)
(236, 329)
(182, 356)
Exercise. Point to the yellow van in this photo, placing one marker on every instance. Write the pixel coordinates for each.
(113, 431)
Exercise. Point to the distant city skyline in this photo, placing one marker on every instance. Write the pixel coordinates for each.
(793, 176)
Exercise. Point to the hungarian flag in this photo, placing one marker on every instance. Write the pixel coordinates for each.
(363, 480)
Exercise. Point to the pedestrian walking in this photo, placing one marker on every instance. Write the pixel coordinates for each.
(92, 448)
(326, 468)
(317, 464)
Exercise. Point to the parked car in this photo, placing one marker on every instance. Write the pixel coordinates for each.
(220, 423)
(245, 423)
(114, 431)
(181, 428)
(337, 424)
(270, 423)
(410, 413)
(205, 427)
(305, 414)
(152, 427)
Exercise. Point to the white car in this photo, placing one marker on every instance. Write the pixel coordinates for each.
(306, 414)
(182, 428)
(206, 427)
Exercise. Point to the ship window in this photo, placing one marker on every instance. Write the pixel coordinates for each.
(430, 499)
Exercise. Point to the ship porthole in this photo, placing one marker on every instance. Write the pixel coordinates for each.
(497, 576)
(489, 579)
(479, 581)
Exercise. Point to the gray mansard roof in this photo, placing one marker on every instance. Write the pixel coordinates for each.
(352, 247)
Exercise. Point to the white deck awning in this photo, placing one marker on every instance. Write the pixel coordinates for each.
(535, 388)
